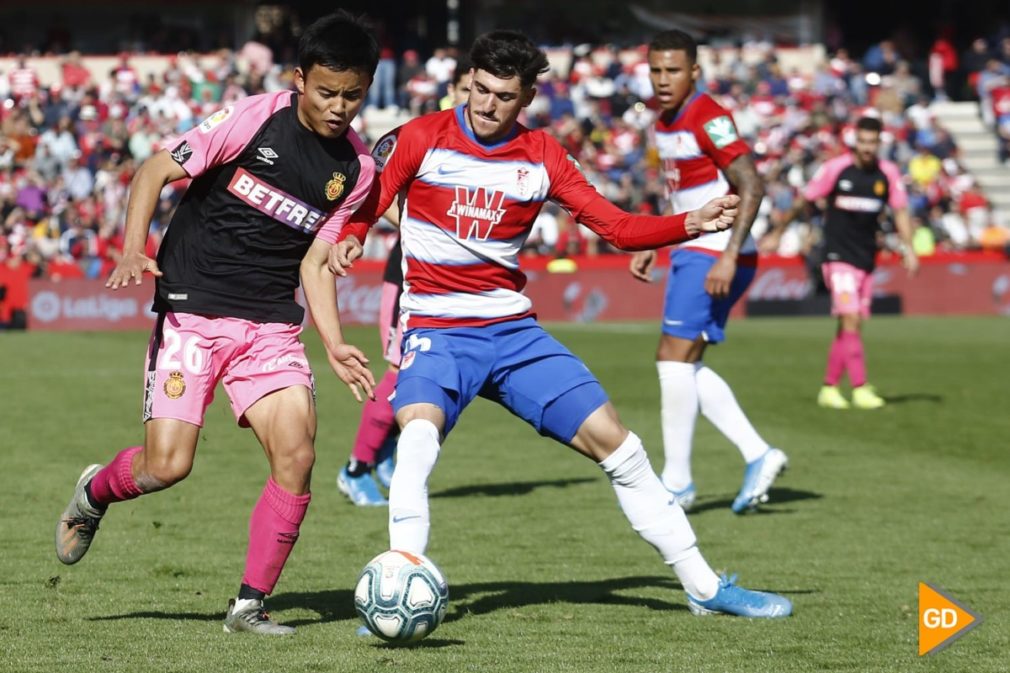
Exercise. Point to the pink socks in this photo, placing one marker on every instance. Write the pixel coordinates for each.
(846, 354)
(376, 420)
(273, 531)
(114, 482)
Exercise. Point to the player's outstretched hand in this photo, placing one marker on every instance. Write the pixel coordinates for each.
(716, 215)
(132, 265)
(343, 254)
(641, 265)
(351, 367)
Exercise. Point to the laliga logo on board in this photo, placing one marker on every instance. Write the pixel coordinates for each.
(49, 306)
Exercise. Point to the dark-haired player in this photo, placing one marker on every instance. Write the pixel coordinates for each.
(475, 180)
(275, 177)
(703, 157)
(857, 188)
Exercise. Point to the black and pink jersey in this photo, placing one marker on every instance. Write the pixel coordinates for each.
(469, 208)
(856, 198)
(264, 187)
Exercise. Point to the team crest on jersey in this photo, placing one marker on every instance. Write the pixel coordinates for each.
(878, 187)
(721, 131)
(210, 122)
(522, 181)
(476, 213)
(383, 151)
(335, 187)
(175, 386)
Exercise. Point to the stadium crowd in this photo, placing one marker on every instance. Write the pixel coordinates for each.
(69, 148)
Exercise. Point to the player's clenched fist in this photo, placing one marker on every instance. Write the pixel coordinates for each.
(343, 254)
(716, 215)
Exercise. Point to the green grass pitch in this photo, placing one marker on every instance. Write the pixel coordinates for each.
(544, 572)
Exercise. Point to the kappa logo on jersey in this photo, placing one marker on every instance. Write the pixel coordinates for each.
(266, 155)
(845, 185)
(721, 131)
(335, 187)
(210, 122)
(383, 151)
(182, 153)
(271, 201)
(476, 213)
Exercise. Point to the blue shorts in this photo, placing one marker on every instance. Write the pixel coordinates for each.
(514, 363)
(689, 311)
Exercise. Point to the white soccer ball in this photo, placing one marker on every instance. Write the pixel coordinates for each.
(401, 597)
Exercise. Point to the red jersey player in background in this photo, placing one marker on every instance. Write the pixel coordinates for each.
(703, 157)
(475, 180)
(374, 443)
(855, 189)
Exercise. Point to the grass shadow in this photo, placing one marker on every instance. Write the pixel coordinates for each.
(509, 489)
(776, 496)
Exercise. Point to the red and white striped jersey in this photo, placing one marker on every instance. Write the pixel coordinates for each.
(469, 208)
(696, 146)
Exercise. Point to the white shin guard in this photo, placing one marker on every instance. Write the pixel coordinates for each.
(657, 517)
(416, 455)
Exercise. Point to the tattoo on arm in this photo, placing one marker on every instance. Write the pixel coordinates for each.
(742, 174)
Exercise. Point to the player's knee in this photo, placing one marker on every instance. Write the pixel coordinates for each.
(601, 433)
(297, 461)
(164, 469)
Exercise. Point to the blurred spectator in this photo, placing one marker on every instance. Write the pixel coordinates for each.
(439, 69)
(973, 62)
(943, 64)
(24, 81)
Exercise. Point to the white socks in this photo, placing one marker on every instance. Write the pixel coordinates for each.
(416, 454)
(721, 408)
(678, 400)
(656, 517)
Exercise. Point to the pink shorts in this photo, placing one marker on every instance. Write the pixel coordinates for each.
(188, 354)
(851, 288)
(390, 329)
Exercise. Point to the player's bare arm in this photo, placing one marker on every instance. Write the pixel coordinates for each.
(743, 175)
(343, 254)
(903, 225)
(319, 284)
(145, 190)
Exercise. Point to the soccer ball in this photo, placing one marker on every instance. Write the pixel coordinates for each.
(401, 597)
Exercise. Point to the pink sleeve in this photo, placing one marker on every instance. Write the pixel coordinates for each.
(366, 174)
(898, 196)
(222, 136)
(823, 182)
